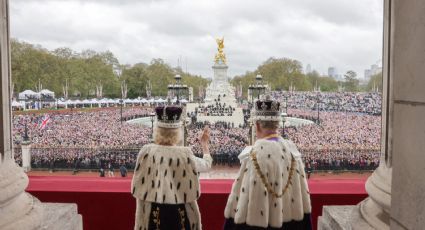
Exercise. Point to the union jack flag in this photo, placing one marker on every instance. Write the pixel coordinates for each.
(44, 121)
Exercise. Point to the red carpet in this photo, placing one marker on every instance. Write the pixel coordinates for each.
(106, 203)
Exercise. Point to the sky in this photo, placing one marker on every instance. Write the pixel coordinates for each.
(345, 34)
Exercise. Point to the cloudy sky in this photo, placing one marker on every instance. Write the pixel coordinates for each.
(346, 34)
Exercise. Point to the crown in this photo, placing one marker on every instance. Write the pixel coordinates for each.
(266, 110)
(168, 116)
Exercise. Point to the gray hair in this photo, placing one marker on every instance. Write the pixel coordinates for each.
(268, 125)
(167, 136)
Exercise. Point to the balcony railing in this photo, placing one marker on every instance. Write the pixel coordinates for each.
(96, 158)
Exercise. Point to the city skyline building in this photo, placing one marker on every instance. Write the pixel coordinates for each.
(333, 72)
(374, 69)
(308, 69)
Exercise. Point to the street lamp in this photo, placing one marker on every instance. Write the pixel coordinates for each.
(178, 79)
(283, 115)
(121, 102)
(152, 116)
(286, 104)
(26, 138)
(176, 87)
(339, 104)
(318, 109)
(185, 131)
(260, 86)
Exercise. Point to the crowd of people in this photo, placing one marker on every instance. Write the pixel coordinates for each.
(361, 102)
(226, 142)
(337, 130)
(99, 128)
(215, 109)
(79, 158)
(341, 159)
(342, 140)
(98, 139)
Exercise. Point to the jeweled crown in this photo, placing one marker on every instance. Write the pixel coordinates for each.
(266, 109)
(168, 116)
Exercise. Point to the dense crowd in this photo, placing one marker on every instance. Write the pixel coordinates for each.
(226, 141)
(337, 130)
(96, 138)
(341, 159)
(99, 128)
(364, 102)
(215, 109)
(341, 140)
(81, 158)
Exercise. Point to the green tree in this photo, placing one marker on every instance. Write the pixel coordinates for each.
(31, 64)
(375, 82)
(136, 79)
(159, 74)
(326, 84)
(351, 81)
(281, 73)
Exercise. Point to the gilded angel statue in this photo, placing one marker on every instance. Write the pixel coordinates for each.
(220, 56)
(220, 43)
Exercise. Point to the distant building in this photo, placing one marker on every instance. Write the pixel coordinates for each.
(333, 72)
(367, 74)
(374, 69)
(308, 68)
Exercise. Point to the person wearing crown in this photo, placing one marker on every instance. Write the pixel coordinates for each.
(165, 182)
(271, 190)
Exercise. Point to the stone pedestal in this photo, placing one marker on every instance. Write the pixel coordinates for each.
(220, 72)
(21, 211)
(220, 85)
(371, 213)
(61, 217)
(26, 156)
(342, 217)
(376, 208)
(18, 209)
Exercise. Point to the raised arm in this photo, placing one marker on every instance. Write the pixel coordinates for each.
(204, 164)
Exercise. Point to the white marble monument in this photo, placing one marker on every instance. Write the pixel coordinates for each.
(220, 85)
(220, 88)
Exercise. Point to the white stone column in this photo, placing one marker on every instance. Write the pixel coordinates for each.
(376, 208)
(397, 188)
(18, 209)
(408, 122)
(26, 156)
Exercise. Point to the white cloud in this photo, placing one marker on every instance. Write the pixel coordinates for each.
(342, 33)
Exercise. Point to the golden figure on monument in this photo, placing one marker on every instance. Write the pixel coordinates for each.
(220, 56)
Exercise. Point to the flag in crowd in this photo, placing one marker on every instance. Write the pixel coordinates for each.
(44, 121)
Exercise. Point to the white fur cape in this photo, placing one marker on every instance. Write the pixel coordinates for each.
(167, 175)
(250, 203)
